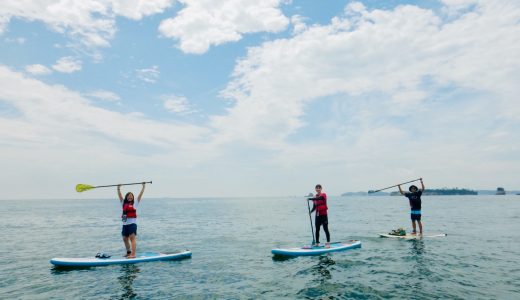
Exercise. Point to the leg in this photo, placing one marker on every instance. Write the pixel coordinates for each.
(420, 224)
(125, 240)
(326, 228)
(133, 242)
(318, 225)
(414, 226)
(127, 243)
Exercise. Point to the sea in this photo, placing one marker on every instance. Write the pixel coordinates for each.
(231, 241)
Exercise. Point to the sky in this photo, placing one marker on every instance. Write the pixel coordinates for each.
(243, 98)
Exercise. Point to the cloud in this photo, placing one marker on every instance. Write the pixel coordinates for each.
(177, 104)
(18, 40)
(148, 75)
(92, 23)
(298, 23)
(37, 69)
(47, 111)
(374, 87)
(138, 9)
(406, 54)
(201, 24)
(104, 95)
(67, 64)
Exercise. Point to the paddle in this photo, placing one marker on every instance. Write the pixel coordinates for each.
(85, 187)
(386, 188)
(310, 219)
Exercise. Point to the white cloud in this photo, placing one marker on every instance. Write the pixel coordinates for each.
(104, 95)
(55, 107)
(18, 40)
(390, 52)
(148, 75)
(47, 112)
(199, 25)
(298, 24)
(203, 23)
(67, 64)
(90, 22)
(384, 86)
(137, 9)
(177, 104)
(37, 69)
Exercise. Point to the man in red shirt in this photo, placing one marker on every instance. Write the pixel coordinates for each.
(320, 206)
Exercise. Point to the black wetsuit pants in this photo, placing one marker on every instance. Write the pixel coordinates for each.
(322, 220)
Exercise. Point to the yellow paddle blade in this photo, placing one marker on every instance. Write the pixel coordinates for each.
(83, 187)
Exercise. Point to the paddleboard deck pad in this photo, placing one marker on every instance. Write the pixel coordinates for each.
(118, 260)
(317, 250)
(412, 236)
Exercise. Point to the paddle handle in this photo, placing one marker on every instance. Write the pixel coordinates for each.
(310, 219)
(121, 184)
(386, 188)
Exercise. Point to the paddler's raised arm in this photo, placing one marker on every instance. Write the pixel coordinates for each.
(119, 193)
(141, 193)
(400, 190)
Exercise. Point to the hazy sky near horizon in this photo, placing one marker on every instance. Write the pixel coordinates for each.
(257, 98)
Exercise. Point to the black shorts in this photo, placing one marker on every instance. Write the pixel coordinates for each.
(129, 229)
(321, 220)
(415, 217)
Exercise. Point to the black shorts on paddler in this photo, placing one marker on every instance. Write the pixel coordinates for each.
(415, 215)
(129, 229)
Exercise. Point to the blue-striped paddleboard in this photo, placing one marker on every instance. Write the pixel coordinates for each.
(317, 250)
(118, 260)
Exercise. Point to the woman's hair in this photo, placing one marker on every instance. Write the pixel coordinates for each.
(126, 197)
(413, 187)
(318, 186)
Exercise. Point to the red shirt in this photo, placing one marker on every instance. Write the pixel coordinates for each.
(321, 204)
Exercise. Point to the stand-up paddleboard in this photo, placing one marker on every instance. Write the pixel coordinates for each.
(140, 257)
(317, 250)
(412, 236)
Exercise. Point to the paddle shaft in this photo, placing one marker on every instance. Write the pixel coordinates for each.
(310, 219)
(386, 188)
(99, 186)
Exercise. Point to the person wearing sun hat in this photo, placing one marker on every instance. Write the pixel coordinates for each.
(414, 197)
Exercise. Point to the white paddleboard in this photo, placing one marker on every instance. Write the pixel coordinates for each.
(117, 260)
(317, 250)
(412, 236)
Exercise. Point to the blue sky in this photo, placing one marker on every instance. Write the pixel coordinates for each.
(257, 98)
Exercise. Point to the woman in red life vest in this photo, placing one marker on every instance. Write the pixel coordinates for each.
(320, 206)
(129, 218)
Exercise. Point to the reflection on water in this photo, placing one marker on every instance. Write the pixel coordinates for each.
(126, 280)
(61, 270)
(282, 258)
(417, 248)
(322, 269)
(421, 263)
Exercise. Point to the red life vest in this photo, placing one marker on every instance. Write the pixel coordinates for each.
(129, 210)
(321, 205)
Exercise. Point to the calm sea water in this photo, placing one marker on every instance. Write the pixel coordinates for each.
(231, 241)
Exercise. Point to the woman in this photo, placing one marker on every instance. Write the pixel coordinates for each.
(129, 219)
